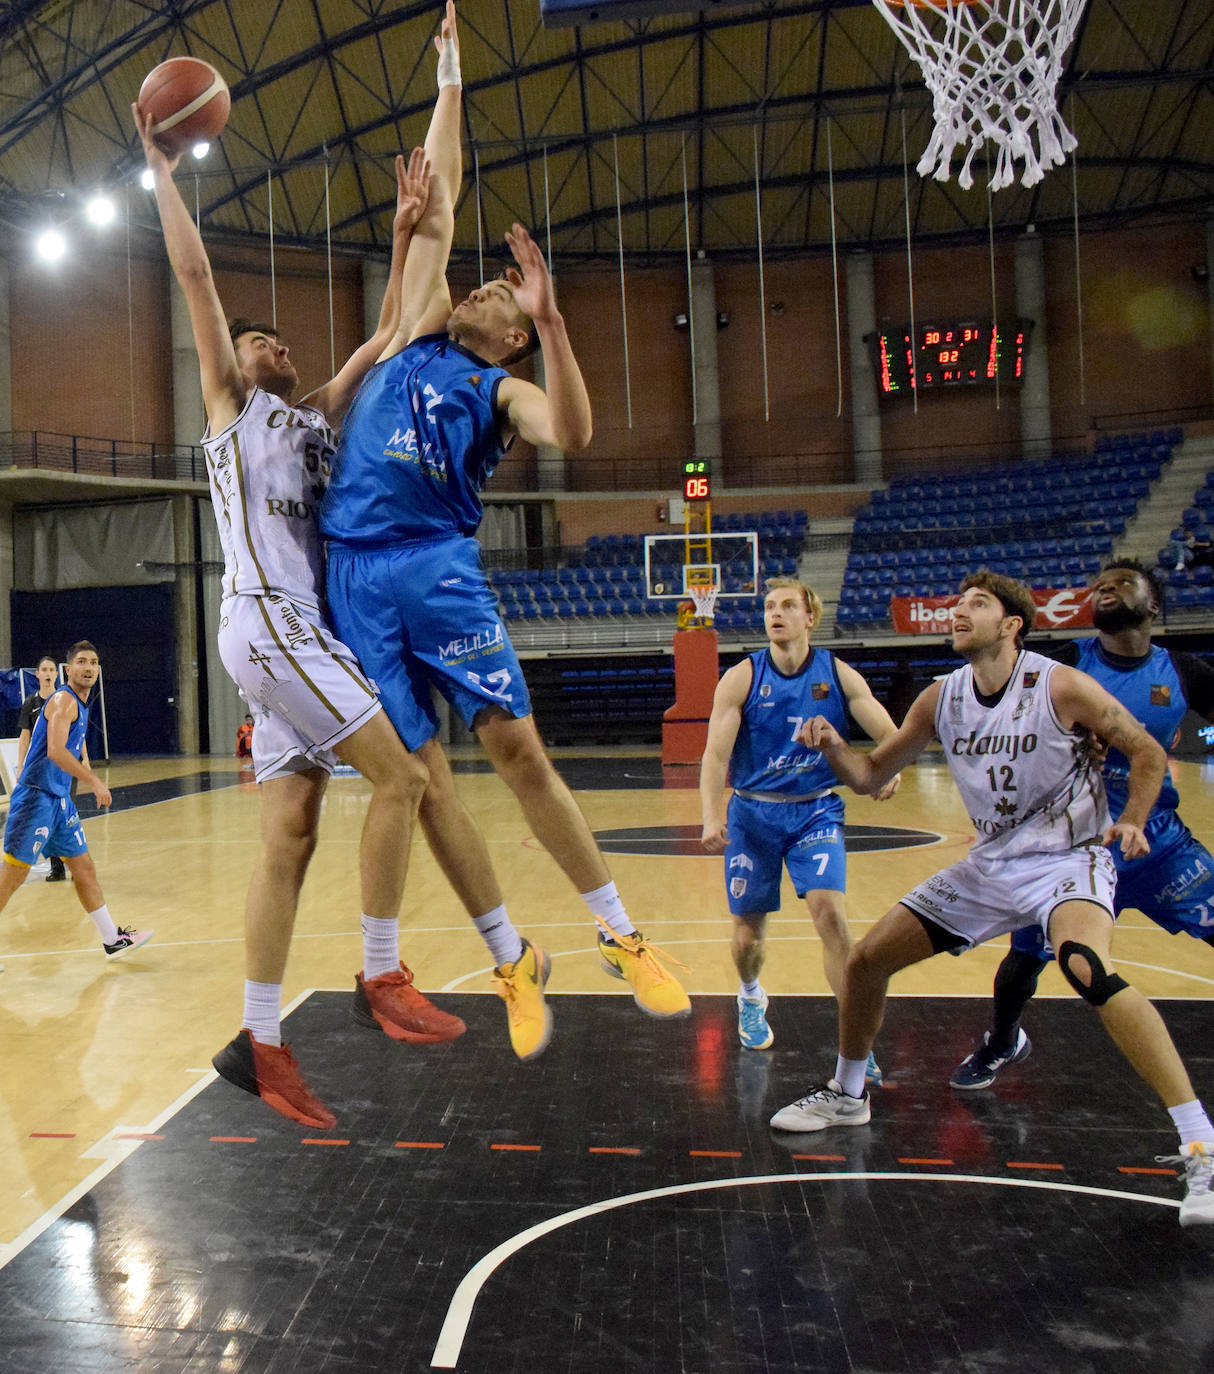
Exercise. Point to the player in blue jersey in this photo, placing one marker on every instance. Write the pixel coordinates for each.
(405, 582)
(784, 810)
(42, 816)
(1174, 884)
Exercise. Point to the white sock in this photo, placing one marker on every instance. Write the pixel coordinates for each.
(752, 992)
(1191, 1121)
(262, 1007)
(605, 903)
(849, 1074)
(105, 925)
(497, 931)
(381, 946)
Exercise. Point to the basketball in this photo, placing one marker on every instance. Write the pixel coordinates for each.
(188, 100)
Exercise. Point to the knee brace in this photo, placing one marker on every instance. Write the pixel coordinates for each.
(1103, 985)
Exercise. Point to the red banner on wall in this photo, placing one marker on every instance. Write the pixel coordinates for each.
(1058, 608)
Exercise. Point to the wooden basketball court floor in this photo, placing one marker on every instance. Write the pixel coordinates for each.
(620, 1204)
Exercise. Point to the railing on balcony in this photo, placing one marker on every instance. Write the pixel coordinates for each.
(95, 457)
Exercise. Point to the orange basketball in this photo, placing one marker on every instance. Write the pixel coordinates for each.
(188, 100)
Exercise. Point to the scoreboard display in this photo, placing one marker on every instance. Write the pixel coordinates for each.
(562, 13)
(967, 353)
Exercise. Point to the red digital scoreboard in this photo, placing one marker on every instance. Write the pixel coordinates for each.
(967, 353)
(697, 482)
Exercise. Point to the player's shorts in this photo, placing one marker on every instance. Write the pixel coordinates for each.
(418, 613)
(305, 689)
(1173, 884)
(977, 899)
(42, 823)
(765, 836)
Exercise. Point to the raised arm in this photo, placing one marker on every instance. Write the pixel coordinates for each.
(868, 773)
(425, 296)
(723, 726)
(873, 718)
(413, 181)
(223, 388)
(560, 414)
(1081, 700)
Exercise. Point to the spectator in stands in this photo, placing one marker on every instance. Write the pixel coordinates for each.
(244, 740)
(784, 810)
(1174, 883)
(1176, 553)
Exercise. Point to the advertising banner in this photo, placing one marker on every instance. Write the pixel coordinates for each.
(1058, 608)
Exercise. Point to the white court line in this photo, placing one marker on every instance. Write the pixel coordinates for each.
(459, 1311)
(114, 1152)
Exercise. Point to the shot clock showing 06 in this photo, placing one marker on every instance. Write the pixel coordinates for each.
(697, 485)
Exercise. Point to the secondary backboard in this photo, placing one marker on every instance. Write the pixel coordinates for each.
(671, 559)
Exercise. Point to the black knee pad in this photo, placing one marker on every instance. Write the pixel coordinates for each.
(1104, 985)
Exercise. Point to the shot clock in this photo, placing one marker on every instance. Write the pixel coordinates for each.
(968, 353)
(697, 485)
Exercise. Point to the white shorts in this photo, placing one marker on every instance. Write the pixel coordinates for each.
(305, 689)
(978, 899)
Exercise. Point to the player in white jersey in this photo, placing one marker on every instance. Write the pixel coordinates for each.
(1013, 728)
(268, 460)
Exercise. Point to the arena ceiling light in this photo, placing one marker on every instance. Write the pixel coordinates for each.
(50, 245)
(100, 210)
(147, 180)
(200, 150)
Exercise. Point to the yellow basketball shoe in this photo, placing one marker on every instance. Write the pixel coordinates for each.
(521, 986)
(654, 988)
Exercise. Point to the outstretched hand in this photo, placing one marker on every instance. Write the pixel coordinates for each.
(534, 293)
(157, 158)
(412, 189)
(448, 30)
(1134, 844)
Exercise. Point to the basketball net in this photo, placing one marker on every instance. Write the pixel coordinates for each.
(705, 597)
(993, 68)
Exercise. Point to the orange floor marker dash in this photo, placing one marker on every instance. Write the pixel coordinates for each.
(321, 1140)
(419, 1145)
(1133, 1169)
(52, 1135)
(928, 1161)
(613, 1150)
(824, 1159)
(1016, 1164)
(533, 1148)
(715, 1154)
(235, 1139)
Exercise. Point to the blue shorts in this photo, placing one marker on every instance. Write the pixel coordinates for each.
(421, 613)
(766, 836)
(1173, 884)
(40, 822)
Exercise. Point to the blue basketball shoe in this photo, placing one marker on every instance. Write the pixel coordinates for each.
(753, 1030)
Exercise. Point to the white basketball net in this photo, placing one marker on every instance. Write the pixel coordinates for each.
(992, 67)
(705, 598)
